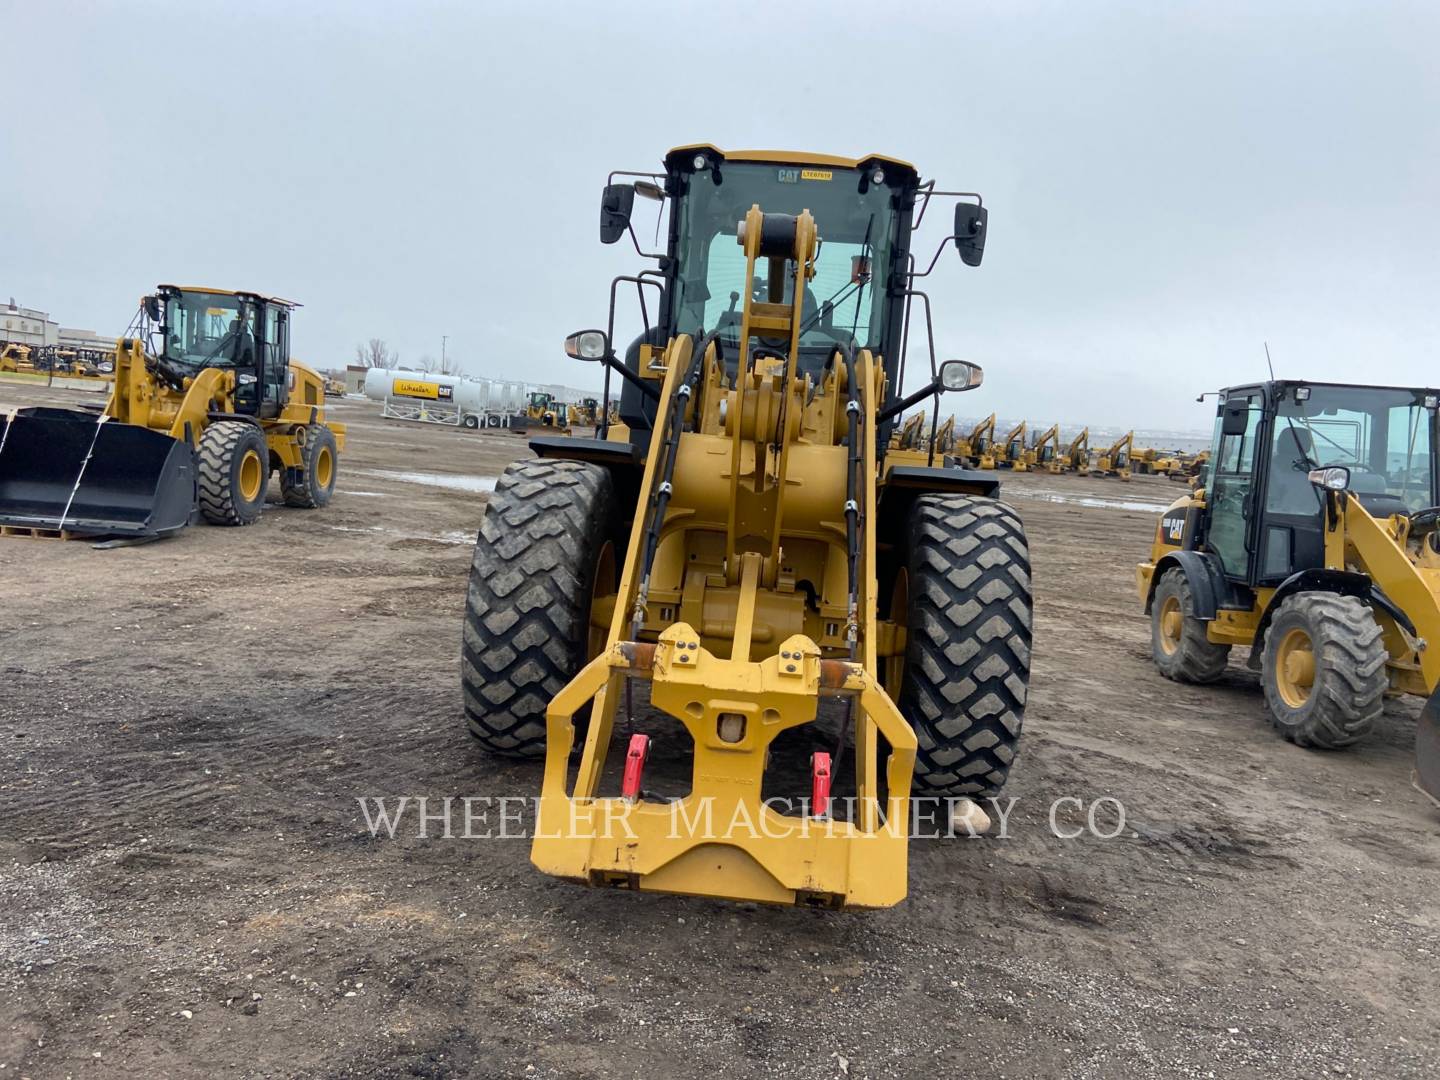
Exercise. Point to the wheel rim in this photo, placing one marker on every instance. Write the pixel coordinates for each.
(1171, 622)
(324, 467)
(251, 476)
(894, 672)
(1295, 668)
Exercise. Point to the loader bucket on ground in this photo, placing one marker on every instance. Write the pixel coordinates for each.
(1427, 748)
(65, 471)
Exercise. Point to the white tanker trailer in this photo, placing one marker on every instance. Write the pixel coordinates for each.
(447, 399)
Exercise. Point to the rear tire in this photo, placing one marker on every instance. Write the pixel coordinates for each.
(1178, 640)
(471, 420)
(234, 472)
(1334, 697)
(542, 541)
(968, 634)
(316, 484)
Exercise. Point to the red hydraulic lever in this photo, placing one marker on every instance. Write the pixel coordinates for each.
(820, 784)
(635, 767)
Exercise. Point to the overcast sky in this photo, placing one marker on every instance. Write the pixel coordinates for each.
(1170, 184)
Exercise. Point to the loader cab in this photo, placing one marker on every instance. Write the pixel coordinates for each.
(1263, 518)
(246, 332)
(864, 210)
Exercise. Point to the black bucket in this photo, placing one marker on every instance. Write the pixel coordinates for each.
(1427, 748)
(64, 470)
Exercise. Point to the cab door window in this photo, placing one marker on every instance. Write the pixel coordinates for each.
(277, 348)
(1230, 494)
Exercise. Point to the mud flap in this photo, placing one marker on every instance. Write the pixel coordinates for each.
(75, 472)
(1427, 748)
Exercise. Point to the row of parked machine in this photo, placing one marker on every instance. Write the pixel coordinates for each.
(1044, 451)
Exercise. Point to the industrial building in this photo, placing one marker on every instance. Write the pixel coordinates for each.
(37, 330)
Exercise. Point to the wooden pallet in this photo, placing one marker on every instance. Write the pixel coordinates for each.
(42, 534)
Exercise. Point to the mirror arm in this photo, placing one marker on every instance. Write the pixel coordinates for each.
(612, 362)
(636, 241)
(895, 408)
(926, 273)
(926, 191)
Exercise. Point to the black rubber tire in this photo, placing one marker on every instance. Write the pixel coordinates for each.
(492, 421)
(307, 492)
(471, 421)
(1348, 692)
(527, 615)
(1197, 659)
(968, 637)
(223, 448)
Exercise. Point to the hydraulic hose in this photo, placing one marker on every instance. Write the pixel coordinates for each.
(660, 498)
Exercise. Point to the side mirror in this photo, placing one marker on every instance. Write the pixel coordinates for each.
(960, 375)
(615, 206)
(1235, 419)
(152, 307)
(587, 345)
(1333, 478)
(970, 221)
(954, 375)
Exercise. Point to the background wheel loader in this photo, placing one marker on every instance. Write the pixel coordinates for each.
(1316, 543)
(206, 405)
(746, 545)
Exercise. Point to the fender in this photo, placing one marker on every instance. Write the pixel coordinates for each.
(1204, 575)
(621, 459)
(1321, 579)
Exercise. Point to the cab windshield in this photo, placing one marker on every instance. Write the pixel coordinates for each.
(857, 223)
(209, 330)
(1382, 435)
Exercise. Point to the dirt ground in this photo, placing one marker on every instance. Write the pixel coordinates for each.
(189, 887)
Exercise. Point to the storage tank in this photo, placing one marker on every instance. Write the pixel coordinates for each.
(493, 401)
(382, 383)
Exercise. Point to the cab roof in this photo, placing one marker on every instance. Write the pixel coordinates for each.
(790, 157)
(243, 293)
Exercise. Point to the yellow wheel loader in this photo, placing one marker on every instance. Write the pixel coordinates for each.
(16, 359)
(1316, 544)
(1151, 462)
(206, 405)
(586, 414)
(742, 571)
(546, 411)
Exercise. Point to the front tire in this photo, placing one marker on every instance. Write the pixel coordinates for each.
(1178, 640)
(968, 636)
(546, 537)
(1324, 670)
(234, 472)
